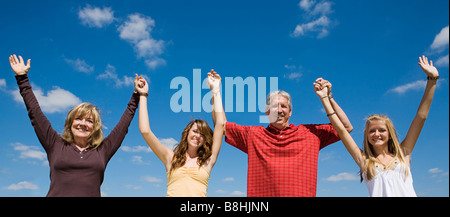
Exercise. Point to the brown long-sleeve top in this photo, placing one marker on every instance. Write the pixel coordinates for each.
(74, 173)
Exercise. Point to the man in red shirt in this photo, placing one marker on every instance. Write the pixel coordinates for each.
(282, 158)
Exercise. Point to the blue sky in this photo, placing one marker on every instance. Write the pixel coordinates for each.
(89, 51)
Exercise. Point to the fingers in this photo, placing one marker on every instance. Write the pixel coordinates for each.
(213, 74)
(11, 60)
(15, 59)
(424, 61)
(317, 86)
(21, 60)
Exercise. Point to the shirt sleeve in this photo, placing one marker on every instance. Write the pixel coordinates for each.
(236, 135)
(114, 140)
(325, 132)
(46, 134)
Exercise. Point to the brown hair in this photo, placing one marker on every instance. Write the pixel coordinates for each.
(96, 137)
(204, 152)
(393, 146)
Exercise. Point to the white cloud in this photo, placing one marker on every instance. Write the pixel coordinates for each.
(228, 179)
(55, 101)
(342, 177)
(435, 170)
(110, 74)
(137, 31)
(138, 148)
(220, 191)
(2, 83)
(295, 73)
(439, 45)
(133, 187)
(317, 14)
(417, 85)
(139, 160)
(293, 76)
(22, 185)
(441, 40)
(136, 28)
(169, 142)
(80, 65)
(96, 17)
(29, 151)
(306, 4)
(237, 193)
(151, 179)
(442, 61)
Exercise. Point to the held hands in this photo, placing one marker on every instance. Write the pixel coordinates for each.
(18, 65)
(213, 81)
(322, 88)
(141, 85)
(428, 68)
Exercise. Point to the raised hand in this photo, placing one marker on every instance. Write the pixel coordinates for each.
(141, 85)
(322, 87)
(213, 81)
(18, 65)
(428, 68)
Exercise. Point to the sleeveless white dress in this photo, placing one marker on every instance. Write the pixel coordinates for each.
(390, 181)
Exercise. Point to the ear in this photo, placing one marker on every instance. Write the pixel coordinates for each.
(267, 110)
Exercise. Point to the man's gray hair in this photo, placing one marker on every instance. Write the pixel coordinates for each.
(275, 93)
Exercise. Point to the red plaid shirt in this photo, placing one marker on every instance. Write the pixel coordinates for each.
(281, 163)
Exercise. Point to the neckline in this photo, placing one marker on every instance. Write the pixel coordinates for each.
(201, 167)
(391, 165)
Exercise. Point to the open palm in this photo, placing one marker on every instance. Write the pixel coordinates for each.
(18, 65)
(428, 68)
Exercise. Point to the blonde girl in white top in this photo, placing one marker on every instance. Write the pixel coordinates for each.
(384, 163)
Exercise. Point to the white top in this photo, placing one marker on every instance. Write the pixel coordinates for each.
(390, 181)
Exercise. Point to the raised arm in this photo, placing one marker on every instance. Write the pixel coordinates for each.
(339, 112)
(424, 107)
(44, 131)
(161, 151)
(114, 140)
(218, 115)
(350, 145)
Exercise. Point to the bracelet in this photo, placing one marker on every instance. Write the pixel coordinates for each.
(141, 94)
(323, 97)
(330, 96)
(433, 78)
(331, 114)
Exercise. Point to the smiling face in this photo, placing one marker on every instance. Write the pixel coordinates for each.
(279, 112)
(82, 128)
(378, 134)
(195, 138)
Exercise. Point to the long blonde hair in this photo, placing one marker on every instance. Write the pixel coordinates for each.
(393, 147)
(96, 137)
(204, 152)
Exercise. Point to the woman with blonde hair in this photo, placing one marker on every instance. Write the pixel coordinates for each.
(189, 165)
(79, 157)
(385, 162)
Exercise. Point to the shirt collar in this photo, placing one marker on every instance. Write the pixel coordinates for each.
(273, 129)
